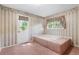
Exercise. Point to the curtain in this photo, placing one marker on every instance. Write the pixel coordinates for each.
(7, 27)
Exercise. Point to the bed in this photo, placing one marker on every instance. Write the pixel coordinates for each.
(59, 44)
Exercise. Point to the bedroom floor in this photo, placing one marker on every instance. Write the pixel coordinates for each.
(34, 49)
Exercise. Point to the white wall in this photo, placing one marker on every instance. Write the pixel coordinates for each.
(37, 26)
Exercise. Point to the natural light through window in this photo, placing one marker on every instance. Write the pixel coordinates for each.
(56, 23)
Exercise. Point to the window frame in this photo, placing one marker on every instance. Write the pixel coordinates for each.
(19, 19)
(61, 19)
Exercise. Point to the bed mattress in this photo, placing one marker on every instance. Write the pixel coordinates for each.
(59, 44)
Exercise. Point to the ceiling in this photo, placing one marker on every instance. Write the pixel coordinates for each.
(41, 9)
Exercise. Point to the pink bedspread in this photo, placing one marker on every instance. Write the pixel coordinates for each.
(59, 44)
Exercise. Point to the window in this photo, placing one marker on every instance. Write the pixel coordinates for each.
(56, 23)
(22, 23)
